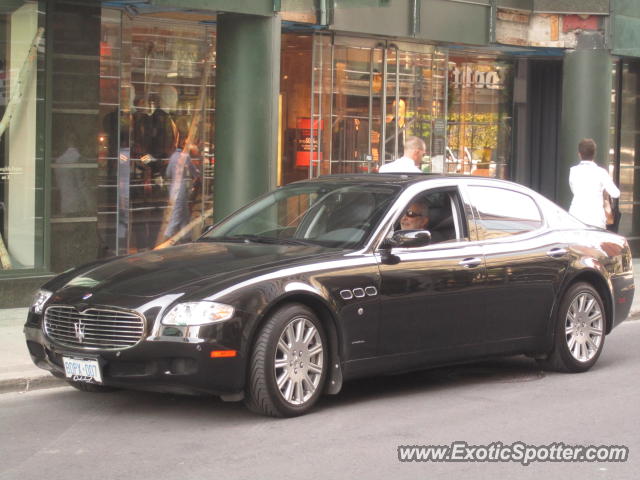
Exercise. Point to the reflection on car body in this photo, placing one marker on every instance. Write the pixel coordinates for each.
(315, 283)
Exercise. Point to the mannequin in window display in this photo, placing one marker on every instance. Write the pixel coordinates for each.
(145, 193)
(164, 136)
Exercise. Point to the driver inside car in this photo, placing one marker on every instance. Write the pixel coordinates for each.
(416, 216)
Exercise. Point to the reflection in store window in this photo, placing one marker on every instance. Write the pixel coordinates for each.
(157, 163)
(21, 57)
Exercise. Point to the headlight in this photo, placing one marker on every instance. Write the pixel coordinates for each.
(39, 299)
(197, 313)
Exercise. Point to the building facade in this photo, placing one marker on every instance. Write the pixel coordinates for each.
(127, 126)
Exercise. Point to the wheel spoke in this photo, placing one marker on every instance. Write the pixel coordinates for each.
(594, 331)
(581, 300)
(309, 335)
(281, 379)
(286, 349)
(593, 347)
(590, 303)
(595, 318)
(576, 349)
(291, 336)
(299, 329)
(310, 384)
(571, 343)
(315, 350)
(282, 363)
(570, 330)
(313, 368)
(289, 390)
(299, 393)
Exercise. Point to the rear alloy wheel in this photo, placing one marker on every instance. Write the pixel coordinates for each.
(288, 363)
(580, 330)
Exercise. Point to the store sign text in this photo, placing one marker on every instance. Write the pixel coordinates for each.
(469, 77)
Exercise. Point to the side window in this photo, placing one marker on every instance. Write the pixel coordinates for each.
(504, 212)
(438, 211)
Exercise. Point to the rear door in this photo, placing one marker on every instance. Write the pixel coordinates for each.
(525, 262)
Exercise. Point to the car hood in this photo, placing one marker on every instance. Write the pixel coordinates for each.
(173, 269)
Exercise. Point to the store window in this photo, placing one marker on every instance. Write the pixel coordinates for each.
(156, 142)
(479, 115)
(21, 143)
(368, 97)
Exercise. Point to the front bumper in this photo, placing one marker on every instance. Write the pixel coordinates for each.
(163, 364)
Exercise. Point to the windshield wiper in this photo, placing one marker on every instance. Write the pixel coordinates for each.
(251, 238)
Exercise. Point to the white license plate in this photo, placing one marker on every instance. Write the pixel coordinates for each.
(82, 370)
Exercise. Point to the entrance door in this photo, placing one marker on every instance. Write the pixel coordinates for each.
(368, 96)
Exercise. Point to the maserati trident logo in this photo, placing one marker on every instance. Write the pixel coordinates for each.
(79, 329)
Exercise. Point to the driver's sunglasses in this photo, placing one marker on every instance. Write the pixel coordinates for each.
(412, 214)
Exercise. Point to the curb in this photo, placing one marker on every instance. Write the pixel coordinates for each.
(31, 383)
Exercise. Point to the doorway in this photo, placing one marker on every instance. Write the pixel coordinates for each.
(367, 97)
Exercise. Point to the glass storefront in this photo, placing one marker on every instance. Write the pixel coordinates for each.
(21, 135)
(369, 95)
(627, 154)
(155, 159)
(479, 117)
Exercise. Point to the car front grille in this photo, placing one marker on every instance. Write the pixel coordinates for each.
(94, 328)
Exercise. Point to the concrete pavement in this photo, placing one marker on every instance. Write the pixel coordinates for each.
(18, 374)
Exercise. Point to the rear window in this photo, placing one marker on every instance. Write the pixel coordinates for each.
(504, 212)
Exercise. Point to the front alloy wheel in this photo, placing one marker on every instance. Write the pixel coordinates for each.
(299, 361)
(288, 364)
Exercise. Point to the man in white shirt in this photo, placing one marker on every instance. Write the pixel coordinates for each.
(414, 150)
(587, 181)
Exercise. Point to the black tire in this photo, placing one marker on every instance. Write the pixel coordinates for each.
(90, 387)
(302, 384)
(577, 343)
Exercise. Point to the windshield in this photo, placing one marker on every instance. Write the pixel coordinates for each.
(337, 214)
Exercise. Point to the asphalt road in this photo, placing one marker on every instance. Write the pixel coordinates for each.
(65, 434)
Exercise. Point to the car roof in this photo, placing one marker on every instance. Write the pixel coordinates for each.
(401, 179)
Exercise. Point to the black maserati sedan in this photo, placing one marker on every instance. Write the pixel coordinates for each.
(326, 280)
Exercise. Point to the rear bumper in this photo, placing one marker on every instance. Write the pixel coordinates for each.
(160, 364)
(623, 292)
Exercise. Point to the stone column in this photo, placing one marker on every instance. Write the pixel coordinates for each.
(247, 89)
(586, 106)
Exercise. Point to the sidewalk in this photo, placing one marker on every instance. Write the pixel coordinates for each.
(18, 374)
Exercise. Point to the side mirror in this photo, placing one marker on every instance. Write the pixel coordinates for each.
(411, 238)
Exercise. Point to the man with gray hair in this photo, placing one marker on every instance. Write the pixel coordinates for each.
(414, 149)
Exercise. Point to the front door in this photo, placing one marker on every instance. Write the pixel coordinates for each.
(432, 298)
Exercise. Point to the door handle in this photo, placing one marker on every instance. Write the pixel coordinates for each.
(471, 262)
(557, 252)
